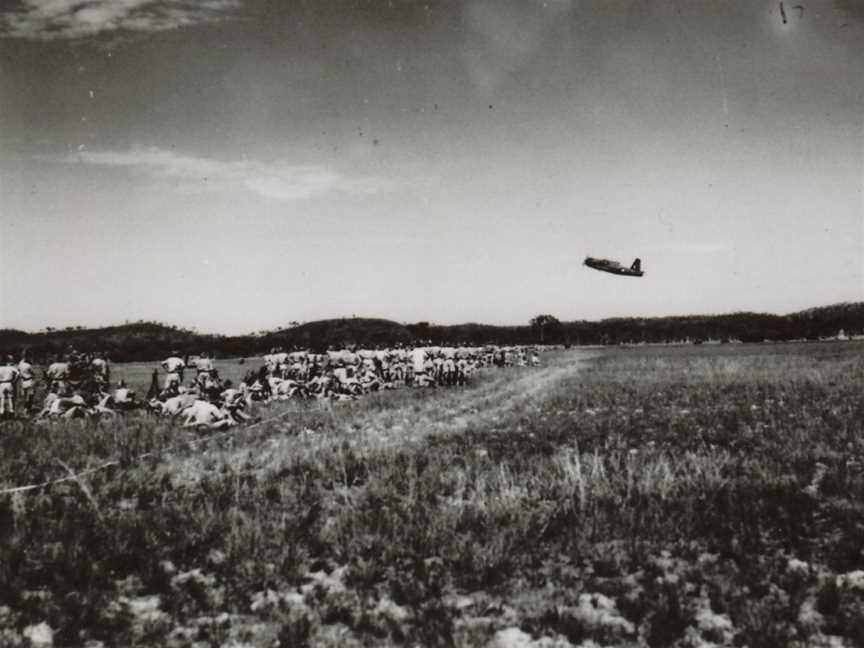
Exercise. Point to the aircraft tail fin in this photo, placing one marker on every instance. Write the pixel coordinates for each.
(637, 265)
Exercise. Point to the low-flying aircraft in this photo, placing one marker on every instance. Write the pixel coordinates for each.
(614, 267)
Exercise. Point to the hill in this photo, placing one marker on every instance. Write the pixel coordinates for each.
(152, 340)
(846, 316)
(138, 341)
(142, 341)
(319, 335)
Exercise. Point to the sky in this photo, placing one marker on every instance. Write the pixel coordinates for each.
(235, 165)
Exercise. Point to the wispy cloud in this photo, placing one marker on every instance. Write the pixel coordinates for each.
(274, 180)
(76, 19)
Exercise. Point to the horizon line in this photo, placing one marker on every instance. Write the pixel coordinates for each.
(73, 328)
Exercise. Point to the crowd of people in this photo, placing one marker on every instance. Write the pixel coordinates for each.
(79, 385)
(74, 385)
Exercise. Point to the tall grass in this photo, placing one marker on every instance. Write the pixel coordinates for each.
(652, 496)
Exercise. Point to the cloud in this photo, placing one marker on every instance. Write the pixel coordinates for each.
(76, 19)
(273, 180)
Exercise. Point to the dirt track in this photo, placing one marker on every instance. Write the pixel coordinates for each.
(505, 391)
(382, 420)
(410, 416)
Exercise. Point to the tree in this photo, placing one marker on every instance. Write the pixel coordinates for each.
(545, 324)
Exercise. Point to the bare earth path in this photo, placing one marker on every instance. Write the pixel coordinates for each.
(459, 410)
(382, 420)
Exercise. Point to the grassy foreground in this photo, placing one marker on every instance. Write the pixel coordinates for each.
(639, 497)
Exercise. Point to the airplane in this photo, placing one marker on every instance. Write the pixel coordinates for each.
(614, 267)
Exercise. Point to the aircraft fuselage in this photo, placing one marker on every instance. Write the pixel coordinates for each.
(612, 267)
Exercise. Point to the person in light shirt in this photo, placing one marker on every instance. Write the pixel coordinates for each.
(173, 406)
(174, 367)
(8, 379)
(278, 361)
(101, 371)
(438, 368)
(418, 360)
(427, 376)
(204, 367)
(68, 406)
(123, 397)
(449, 370)
(204, 414)
(57, 372)
(234, 403)
(28, 383)
(341, 373)
(230, 395)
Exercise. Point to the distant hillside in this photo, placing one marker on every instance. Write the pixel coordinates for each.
(471, 333)
(847, 316)
(152, 340)
(319, 335)
(841, 310)
(136, 341)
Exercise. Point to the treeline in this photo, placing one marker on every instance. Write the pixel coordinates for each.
(811, 324)
(323, 334)
(146, 341)
(152, 340)
(126, 342)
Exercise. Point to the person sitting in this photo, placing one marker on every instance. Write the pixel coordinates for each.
(234, 403)
(68, 407)
(211, 386)
(123, 397)
(321, 386)
(204, 414)
(255, 389)
(288, 388)
(370, 381)
(173, 406)
(100, 369)
(104, 405)
(230, 395)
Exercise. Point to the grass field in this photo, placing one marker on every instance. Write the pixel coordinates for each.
(664, 496)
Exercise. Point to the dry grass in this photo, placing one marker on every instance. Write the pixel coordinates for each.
(655, 496)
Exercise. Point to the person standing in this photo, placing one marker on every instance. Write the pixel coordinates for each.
(57, 374)
(204, 367)
(8, 379)
(28, 383)
(101, 371)
(418, 362)
(174, 367)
